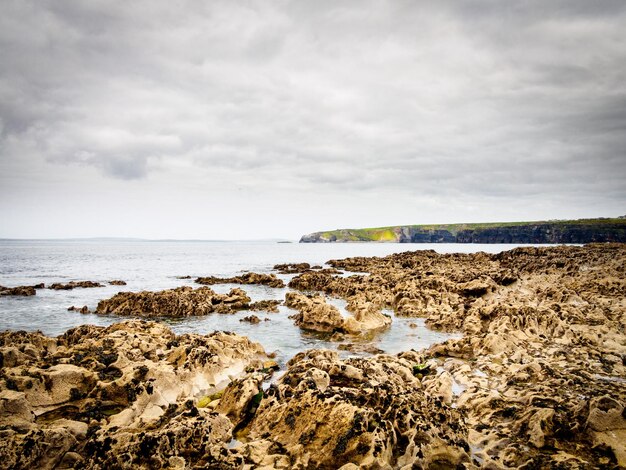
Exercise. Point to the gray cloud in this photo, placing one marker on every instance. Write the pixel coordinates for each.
(429, 101)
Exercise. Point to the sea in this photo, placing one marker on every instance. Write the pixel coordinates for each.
(158, 265)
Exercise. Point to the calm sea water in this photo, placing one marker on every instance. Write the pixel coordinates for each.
(156, 266)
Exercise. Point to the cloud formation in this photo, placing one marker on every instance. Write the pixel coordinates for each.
(470, 110)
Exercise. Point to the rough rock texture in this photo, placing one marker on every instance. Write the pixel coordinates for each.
(117, 282)
(540, 374)
(269, 280)
(538, 379)
(24, 291)
(83, 309)
(560, 231)
(117, 397)
(292, 268)
(324, 413)
(265, 305)
(315, 314)
(179, 302)
(251, 319)
(74, 284)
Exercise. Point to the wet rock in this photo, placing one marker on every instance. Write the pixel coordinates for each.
(120, 396)
(315, 314)
(24, 291)
(74, 284)
(269, 280)
(265, 306)
(360, 348)
(292, 268)
(544, 326)
(179, 302)
(325, 413)
(117, 282)
(251, 319)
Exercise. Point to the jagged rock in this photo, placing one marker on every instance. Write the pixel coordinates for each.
(269, 280)
(24, 291)
(265, 306)
(74, 284)
(120, 396)
(83, 309)
(179, 302)
(117, 282)
(325, 413)
(360, 348)
(315, 314)
(251, 319)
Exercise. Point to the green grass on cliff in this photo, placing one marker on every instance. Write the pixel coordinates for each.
(389, 234)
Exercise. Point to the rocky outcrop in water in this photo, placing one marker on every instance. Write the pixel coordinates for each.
(538, 379)
(74, 284)
(543, 352)
(316, 315)
(117, 282)
(372, 413)
(292, 268)
(179, 302)
(23, 291)
(269, 280)
(117, 397)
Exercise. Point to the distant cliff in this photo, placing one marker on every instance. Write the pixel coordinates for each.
(553, 231)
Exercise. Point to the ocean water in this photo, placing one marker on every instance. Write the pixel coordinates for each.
(147, 265)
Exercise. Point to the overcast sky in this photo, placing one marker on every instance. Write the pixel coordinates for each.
(245, 120)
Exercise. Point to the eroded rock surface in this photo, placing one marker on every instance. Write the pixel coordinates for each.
(374, 413)
(117, 397)
(544, 349)
(179, 302)
(74, 284)
(269, 280)
(24, 291)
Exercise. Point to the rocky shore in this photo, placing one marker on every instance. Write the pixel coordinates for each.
(538, 379)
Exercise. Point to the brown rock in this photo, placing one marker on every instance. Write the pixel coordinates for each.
(74, 284)
(269, 280)
(179, 302)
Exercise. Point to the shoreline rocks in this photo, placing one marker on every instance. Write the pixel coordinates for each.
(317, 315)
(269, 280)
(24, 291)
(119, 396)
(74, 284)
(538, 379)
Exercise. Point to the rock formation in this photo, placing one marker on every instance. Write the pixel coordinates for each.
(74, 284)
(117, 397)
(538, 379)
(315, 314)
(117, 282)
(374, 413)
(24, 291)
(558, 231)
(292, 268)
(269, 280)
(179, 302)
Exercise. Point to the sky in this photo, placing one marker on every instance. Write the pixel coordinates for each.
(271, 119)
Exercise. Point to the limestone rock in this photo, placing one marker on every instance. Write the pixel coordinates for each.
(179, 302)
(74, 284)
(269, 280)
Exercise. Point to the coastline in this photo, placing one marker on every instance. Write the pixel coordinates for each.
(537, 379)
